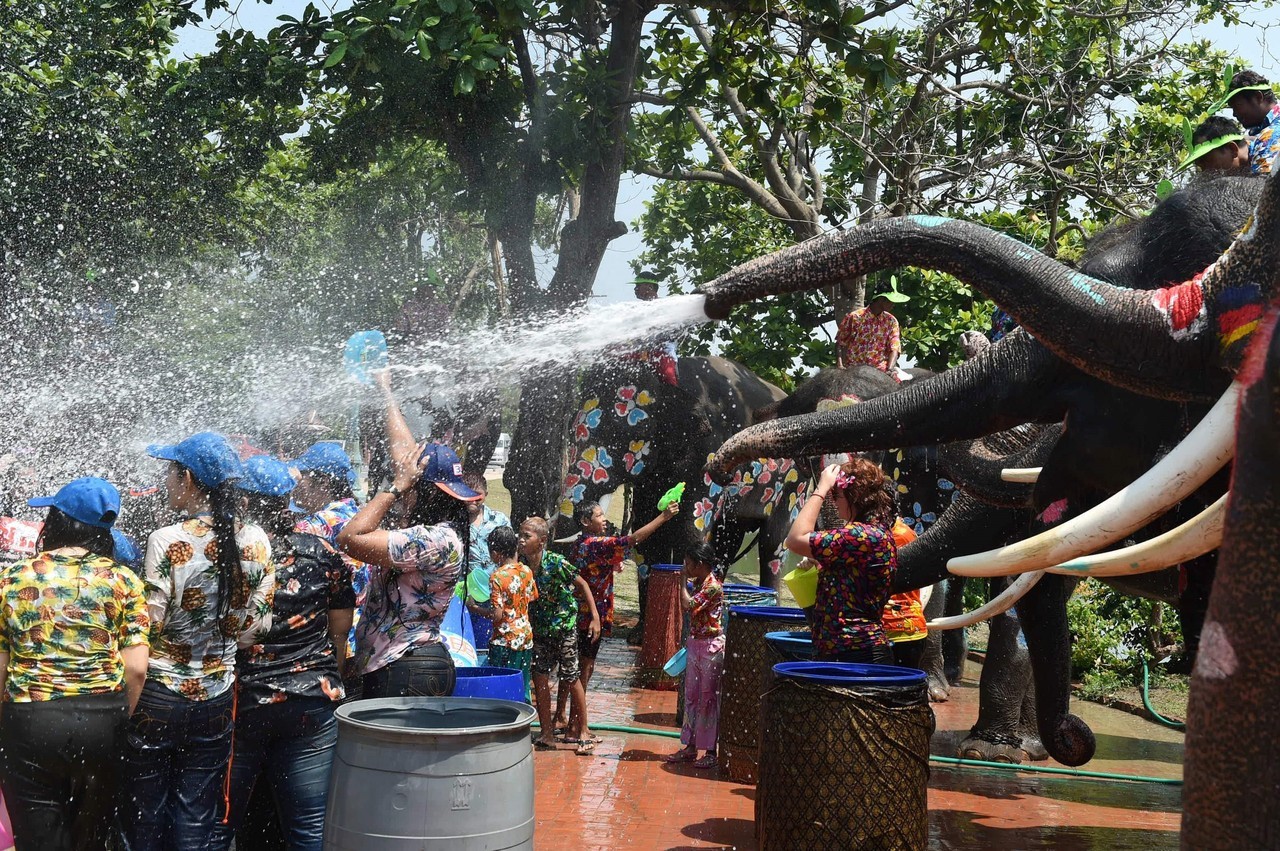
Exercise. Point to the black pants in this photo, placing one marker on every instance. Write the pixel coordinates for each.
(425, 671)
(907, 654)
(60, 764)
(879, 654)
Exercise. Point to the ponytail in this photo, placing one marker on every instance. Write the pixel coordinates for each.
(233, 586)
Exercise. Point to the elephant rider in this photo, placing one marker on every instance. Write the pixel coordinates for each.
(661, 357)
(1254, 105)
(1218, 145)
(870, 335)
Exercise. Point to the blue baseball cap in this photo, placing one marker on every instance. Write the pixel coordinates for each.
(265, 475)
(326, 457)
(126, 551)
(208, 455)
(89, 500)
(445, 471)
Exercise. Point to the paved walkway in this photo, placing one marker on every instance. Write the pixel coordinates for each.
(625, 796)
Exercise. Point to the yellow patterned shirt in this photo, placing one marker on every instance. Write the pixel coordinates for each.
(65, 620)
(191, 652)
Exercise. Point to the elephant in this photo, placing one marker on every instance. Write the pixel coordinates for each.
(1127, 370)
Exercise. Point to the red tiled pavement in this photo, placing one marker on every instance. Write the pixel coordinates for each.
(625, 796)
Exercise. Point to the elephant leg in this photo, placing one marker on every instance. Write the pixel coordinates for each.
(931, 660)
(955, 642)
(1043, 613)
(1002, 691)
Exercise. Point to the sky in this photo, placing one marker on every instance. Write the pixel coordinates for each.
(1256, 46)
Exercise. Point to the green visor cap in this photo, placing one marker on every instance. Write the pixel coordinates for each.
(894, 296)
(1227, 73)
(1205, 147)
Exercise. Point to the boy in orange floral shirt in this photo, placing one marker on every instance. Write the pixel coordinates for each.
(511, 590)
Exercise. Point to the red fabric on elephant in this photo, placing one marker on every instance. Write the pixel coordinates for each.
(857, 566)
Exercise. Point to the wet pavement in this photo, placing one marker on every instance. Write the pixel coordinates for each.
(625, 796)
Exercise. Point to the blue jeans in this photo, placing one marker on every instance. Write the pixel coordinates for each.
(292, 744)
(175, 763)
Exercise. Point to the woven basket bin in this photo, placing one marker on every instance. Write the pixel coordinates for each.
(843, 768)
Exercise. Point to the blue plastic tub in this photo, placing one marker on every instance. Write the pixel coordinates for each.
(786, 613)
(791, 646)
(497, 683)
(849, 673)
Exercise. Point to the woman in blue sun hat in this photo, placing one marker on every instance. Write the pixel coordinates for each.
(73, 658)
(210, 582)
(400, 650)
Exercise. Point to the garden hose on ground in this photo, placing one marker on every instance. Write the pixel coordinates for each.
(945, 760)
(1146, 701)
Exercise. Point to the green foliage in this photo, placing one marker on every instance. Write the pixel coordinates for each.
(1111, 631)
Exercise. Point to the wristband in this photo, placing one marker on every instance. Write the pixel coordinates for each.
(394, 491)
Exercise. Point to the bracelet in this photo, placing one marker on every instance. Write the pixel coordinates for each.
(819, 495)
(394, 491)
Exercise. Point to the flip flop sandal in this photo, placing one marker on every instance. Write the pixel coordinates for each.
(585, 748)
(681, 756)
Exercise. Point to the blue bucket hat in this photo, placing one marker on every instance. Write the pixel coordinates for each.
(90, 500)
(265, 475)
(208, 455)
(445, 471)
(326, 457)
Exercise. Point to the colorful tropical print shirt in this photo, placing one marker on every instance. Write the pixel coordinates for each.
(65, 620)
(1264, 142)
(407, 602)
(857, 565)
(511, 591)
(478, 555)
(708, 609)
(295, 657)
(866, 338)
(191, 652)
(327, 523)
(597, 558)
(903, 615)
(555, 612)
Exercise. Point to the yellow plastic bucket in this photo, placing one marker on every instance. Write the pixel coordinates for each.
(803, 583)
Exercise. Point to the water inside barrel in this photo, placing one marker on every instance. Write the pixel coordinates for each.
(428, 718)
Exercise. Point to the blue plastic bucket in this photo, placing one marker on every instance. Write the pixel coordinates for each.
(849, 673)
(791, 646)
(497, 683)
(365, 350)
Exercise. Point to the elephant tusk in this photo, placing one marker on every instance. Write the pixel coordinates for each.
(1199, 535)
(1201, 454)
(1024, 475)
(1001, 604)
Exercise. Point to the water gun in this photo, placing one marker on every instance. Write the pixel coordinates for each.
(671, 497)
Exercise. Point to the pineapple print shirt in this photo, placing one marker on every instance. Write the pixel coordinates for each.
(65, 620)
(188, 651)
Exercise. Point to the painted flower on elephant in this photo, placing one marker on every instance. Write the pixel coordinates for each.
(796, 500)
(594, 464)
(587, 419)
(919, 519)
(631, 404)
(703, 514)
(574, 492)
(633, 459)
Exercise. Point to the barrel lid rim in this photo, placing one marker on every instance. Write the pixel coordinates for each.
(775, 612)
(525, 715)
(857, 673)
(789, 636)
(743, 586)
(666, 568)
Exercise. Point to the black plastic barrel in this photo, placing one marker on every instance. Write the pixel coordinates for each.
(844, 758)
(747, 663)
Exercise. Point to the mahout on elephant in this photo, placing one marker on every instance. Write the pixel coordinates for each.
(1176, 343)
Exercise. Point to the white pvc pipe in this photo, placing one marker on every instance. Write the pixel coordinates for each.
(1001, 604)
(1024, 475)
(1199, 535)
(1209, 446)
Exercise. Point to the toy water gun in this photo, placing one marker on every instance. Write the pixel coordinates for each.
(671, 497)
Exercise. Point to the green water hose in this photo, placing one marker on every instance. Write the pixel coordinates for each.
(946, 760)
(1146, 701)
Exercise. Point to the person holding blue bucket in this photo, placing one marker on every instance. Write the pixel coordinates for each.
(704, 657)
(856, 562)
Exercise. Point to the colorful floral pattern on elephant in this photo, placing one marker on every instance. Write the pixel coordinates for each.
(597, 557)
(1239, 311)
(594, 464)
(192, 652)
(704, 511)
(631, 404)
(587, 420)
(634, 458)
(857, 566)
(1182, 306)
(65, 620)
(295, 657)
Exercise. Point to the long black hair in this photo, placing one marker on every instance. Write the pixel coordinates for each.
(272, 514)
(704, 553)
(233, 585)
(433, 507)
(61, 530)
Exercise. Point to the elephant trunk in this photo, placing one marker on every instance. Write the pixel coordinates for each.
(1179, 342)
(977, 466)
(1003, 387)
(966, 524)
(1233, 755)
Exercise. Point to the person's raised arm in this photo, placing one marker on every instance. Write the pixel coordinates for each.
(399, 436)
(361, 538)
(583, 592)
(686, 599)
(655, 524)
(807, 520)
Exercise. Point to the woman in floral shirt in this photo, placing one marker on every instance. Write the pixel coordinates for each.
(210, 583)
(856, 562)
(413, 571)
(289, 681)
(73, 657)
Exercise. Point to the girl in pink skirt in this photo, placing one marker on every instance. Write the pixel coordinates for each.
(704, 654)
